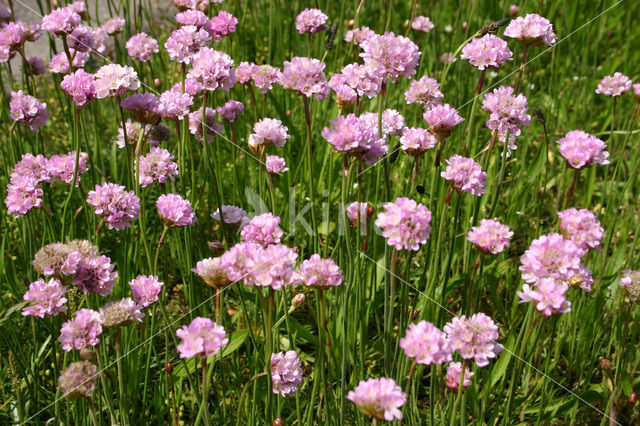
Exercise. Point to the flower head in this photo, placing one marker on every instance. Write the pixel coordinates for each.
(305, 76)
(61, 167)
(174, 105)
(222, 25)
(232, 215)
(175, 210)
(36, 167)
(93, 273)
(380, 398)
(244, 71)
(83, 39)
(23, 195)
(582, 227)
(452, 378)
(506, 111)
(115, 80)
(212, 69)
(405, 224)
(262, 229)
(269, 131)
(230, 111)
(357, 137)
(120, 313)
(46, 297)
(365, 211)
(28, 110)
(115, 205)
(61, 21)
(397, 55)
(202, 338)
(59, 63)
(82, 331)
(264, 76)
(212, 272)
(465, 175)
(550, 256)
(80, 85)
(581, 149)
(531, 30)
(548, 296)
(311, 21)
(630, 283)
(416, 141)
(212, 126)
(113, 25)
(286, 372)
(185, 42)
(358, 36)
(144, 107)
(488, 51)
(319, 273)
(426, 344)
(141, 46)
(78, 380)
(490, 236)
(442, 119)
(255, 264)
(157, 166)
(425, 92)
(474, 338)
(275, 165)
(145, 289)
(422, 24)
(614, 85)
(192, 17)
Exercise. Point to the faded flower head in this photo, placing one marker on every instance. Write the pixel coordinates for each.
(380, 398)
(78, 380)
(212, 272)
(144, 107)
(232, 215)
(212, 126)
(120, 313)
(405, 224)
(115, 80)
(286, 372)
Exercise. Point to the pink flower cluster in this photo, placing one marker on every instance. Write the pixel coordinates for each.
(465, 175)
(319, 273)
(141, 46)
(61, 21)
(174, 104)
(392, 122)
(365, 211)
(145, 289)
(425, 91)
(380, 398)
(422, 23)
(28, 110)
(442, 119)
(489, 51)
(426, 343)
(202, 338)
(212, 272)
(46, 298)
(405, 224)
(255, 264)
(157, 166)
(83, 331)
(143, 107)
(531, 30)
(269, 132)
(230, 111)
(416, 141)
(353, 136)
(358, 36)
(356, 80)
(59, 63)
(212, 127)
(474, 338)
(582, 227)
(115, 205)
(262, 229)
(286, 372)
(185, 42)
(311, 21)
(93, 273)
(305, 76)
(232, 215)
(507, 113)
(397, 55)
(490, 236)
(222, 25)
(275, 165)
(453, 376)
(614, 85)
(548, 294)
(114, 80)
(80, 85)
(581, 149)
(175, 210)
(212, 69)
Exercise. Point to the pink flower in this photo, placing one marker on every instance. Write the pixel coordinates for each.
(254, 264)
(80, 86)
(582, 227)
(614, 85)
(380, 398)
(286, 372)
(28, 110)
(141, 46)
(113, 25)
(230, 111)
(212, 126)
(422, 23)
(202, 338)
(319, 273)
(636, 90)
(144, 107)
(232, 215)
(36, 167)
(114, 205)
(474, 338)
(93, 273)
(23, 195)
(157, 166)
(550, 256)
(630, 283)
(196, 18)
(186, 42)
(397, 55)
(59, 63)
(264, 76)
(425, 92)
(61, 167)
(365, 211)
(426, 344)
(581, 149)
(262, 229)
(448, 58)
(61, 21)
(442, 119)
(489, 51)
(405, 224)
(305, 76)
(359, 35)
(82, 39)
(222, 25)
(506, 111)
(275, 165)
(12, 36)
(531, 30)
(416, 141)
(115, 80)
(490, 236)
(82, 331)
(36, 66)
(212, 272)
(212, 69)
(353, 136)
(392, 122)
(174, 105)
(175, 210)
(465, 175)
(244, 71)
(46, 297)
(548, 295)
(269, 131)
(311, 21)
(452, 378)
(145, 289)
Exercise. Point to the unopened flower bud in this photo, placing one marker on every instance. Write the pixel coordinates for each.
(298, 300)
(605, 364)
(168, 367)
(633, 398)
(513, 10)
(278, 422)
(157, 82)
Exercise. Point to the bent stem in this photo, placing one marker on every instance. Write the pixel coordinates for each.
(523, 63)
(244, 393)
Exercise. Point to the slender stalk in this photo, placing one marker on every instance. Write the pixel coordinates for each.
(123, 402)
(244, 393)
(571, 188)
(312, 194)
(160, 243)
(523, 63)
(76, 147)
(207, 373)
(92, 412)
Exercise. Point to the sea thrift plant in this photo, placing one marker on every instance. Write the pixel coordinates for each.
(45, 297)
(548, 294)
(630, 283)
(416, 141)
(94, 274)
(212, 272)
(254, 264)
(264, 76)
(80, 85)
(185, 42)
(143, 107)
(490, 236)
(319, 273)
(452, 378)
(426, 344)
(81, 332)
(115, 205)
(396, 55)
(28, 110)
(405, 224)
(507, 112)
(442, 119)
(365, 211)
(380, 398)
(422, 24)
(175, 210)
(269, 131)
(230, 111)
(359, 35)
(582, 227)
(304, 76)
(465, 175)
(614, 85)
(23, 195)
(262, 229)
(531, 30)
(120, 313)
(580, 149)
(474, 337)
(141, 46)
(115, 80)
(425, 91)
(311, 21)
(61, 21)
(201, 339)
(355, 137)
(275, 165)
(550, 256)
(211, 126)
(59, 63)
(78, 380)
(286, 372)
(222, 25)
(212, 69)
(145, 289)
(488, 51)
(175, 105)
(231, 215)
(61, 167)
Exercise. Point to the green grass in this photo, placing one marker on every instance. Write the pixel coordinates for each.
(551, 371)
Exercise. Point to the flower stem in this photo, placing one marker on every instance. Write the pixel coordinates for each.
(123, 404)
(160, 243)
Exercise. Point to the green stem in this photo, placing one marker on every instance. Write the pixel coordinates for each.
(76, 147)
(160, 243)
(123, 403)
